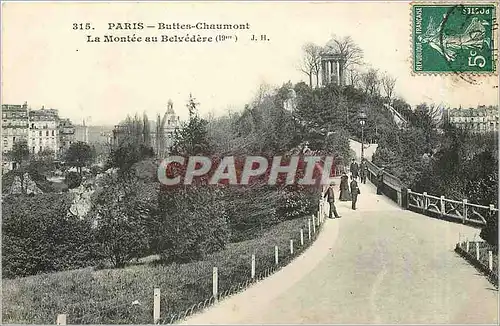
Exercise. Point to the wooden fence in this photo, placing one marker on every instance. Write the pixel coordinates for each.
(481, 255)
(161, 315)
(440, 207)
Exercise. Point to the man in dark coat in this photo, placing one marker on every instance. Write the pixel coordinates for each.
(354, 192)
(380, 181)
(330, 197)
(354, 169)
(363, 170)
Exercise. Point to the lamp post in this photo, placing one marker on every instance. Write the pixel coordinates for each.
(362, 121)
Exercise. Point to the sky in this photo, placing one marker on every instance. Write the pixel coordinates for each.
(46, 62)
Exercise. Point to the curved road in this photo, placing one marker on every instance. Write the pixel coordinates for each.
(378, 264)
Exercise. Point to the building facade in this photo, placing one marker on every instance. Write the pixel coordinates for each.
(42, 130)
(66, 135)
(481, 119)
(15, 123)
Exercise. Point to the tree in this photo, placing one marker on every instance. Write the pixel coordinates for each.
(79, 155)
(20, 153)
(126, 155)
(192, 138)
(122, 219)
(354, 77)
(73, 180)
(20, 156)
(192, 222)
(146, 130)
(39, 237)
(388, 84)
(311, 62)
(371, 82)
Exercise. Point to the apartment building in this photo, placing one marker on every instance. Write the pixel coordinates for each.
(481, 119)
(42, 129)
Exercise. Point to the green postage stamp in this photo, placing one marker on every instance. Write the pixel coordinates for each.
(453, 38)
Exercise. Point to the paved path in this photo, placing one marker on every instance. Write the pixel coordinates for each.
(378, 264)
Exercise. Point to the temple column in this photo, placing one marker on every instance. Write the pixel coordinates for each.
(323, 72)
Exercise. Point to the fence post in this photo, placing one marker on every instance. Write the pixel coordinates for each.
(301, 237)
(400, 203)
(156, 305)
(309, 228)
(464, 202)
(425, 201)
(492, 210)
(61, 319)
(253, 266)
(291, 247)
(215, 284)
(320, 211)
(490, 260)
(442, 206)
(467, 245)
(276, 257)
(314, 225)
(408, 193)
(477, 251)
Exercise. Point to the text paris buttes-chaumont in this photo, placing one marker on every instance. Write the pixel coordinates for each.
(177, 26)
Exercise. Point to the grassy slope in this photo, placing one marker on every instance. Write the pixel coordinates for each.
(105, 296)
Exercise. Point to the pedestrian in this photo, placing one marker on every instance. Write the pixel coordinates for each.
(354, 168)
(363, 170)
(345, 195)
(330, 197)
(354, 192)
(380, 181)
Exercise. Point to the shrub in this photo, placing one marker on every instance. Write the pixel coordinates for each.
(73, 180)
(38, 236)
(122, 218)
(192, 222)
(295, 204)
(489, 233)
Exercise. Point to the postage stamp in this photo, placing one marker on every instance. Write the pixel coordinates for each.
(455, 38)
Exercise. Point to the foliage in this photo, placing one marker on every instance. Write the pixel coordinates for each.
(296, 203)
(191, 223)
(192, 138)
(39, 237)
(73, 180)
(126, 155)
(311, 62)
(20, 152)
(122, 219)
(104, 296)
(79, 155)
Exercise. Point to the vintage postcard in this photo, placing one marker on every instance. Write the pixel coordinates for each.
(235, 162)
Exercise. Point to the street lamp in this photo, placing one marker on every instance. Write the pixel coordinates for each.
(362, 121)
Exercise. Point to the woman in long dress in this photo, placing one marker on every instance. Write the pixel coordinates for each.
(345, 194)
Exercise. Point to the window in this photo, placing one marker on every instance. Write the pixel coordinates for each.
(32, 126)
(40, 133)
(52, 132)
(13, 139)
(33, 150)
(47, 133)
(40, 148)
